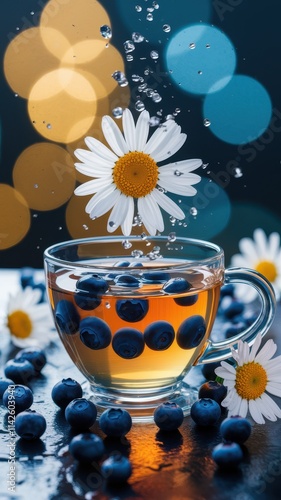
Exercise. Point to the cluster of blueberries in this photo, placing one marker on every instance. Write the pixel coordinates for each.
(129, 342)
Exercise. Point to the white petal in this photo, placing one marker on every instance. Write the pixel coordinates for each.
(161, 135)
(172, 187)
(230, 368)
(113, 136)
(271, 404)
(255, 347)
(261, 243)
(267, 351)
(273, 390)
(129, 129)
(167, 204)
(150, 212)
(93, 170)
(92, 187)
(184, 166)
(248, 248)
(255, 412)
(118, 213)
(91, 158)
(102, 203)
(142, 130)
(273, 363)
(273, 245)
(127, 224)
(100, 149)
(169, 149)
(243, 410)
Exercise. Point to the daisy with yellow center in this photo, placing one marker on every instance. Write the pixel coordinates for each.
(249, 383)
(264, 256)
(28, 322)
(129, 172)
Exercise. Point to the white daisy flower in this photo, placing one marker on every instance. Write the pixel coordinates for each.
(129, 171)
(263, 255)
(28, 322)
(255, 375)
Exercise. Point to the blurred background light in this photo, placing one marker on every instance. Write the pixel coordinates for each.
(14, 217)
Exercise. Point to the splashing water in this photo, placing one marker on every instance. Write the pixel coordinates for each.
(105, 31)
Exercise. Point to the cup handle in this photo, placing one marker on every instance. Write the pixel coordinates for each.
(217, 351)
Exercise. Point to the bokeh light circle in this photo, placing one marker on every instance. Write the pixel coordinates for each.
(207, 213)
(200, 56)
(240, 112)
(14, 217)
(44, 174)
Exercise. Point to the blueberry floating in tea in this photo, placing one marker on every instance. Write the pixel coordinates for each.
(159, 335)
(81, 414)
(189, 300)
(116, 469)
(115, 422)
(128, 343)
(191, 332)
(95, 333)
(86, 301)
(168, 416)
(86, 447)
(21, 395)
(65, 391)
(176, 285)
(67, 317)
(89, 289)
(127, 280)
(30, 425)
(132, 310)
(156, 277)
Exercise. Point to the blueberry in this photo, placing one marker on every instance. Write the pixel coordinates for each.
(233, 309)
(213, 390)
(19, 397)
(95, 333)
(168, 416)
(94, 284)
(132, 310)
(122, 263)
(176, 285)
(156, 277)
(191, 332)
(86, 447)
(65, 391)
(30, 424)
(128, 343)
(4, 384)
(86, 301)
(127, 280)
(35, 356)
(116, 469)
(227, 290)
(20, 370)
(189, 300)
(115, 422)
(81, 413)
(208, 370)
(234, 329)
(159, 335)
(27, 277)
(67, 317)
(205, 412)
(236, 429)
(42, 288)
(227, 455)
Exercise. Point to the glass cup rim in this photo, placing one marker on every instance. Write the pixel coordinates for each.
(49, 256)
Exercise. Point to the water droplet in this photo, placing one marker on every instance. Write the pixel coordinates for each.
(129, 46)
(139, 106)
(155, 5)
(36, 186)
(138, 8)
(206, 122)
(200, 72)
(143, 236)
(126, 244)
(205, 165)
(129, 57)
(136, 78)
(166, 28)
(137, 37)
(177, 173)
(149, 17)
(60, 228)
(49, 126)
(154, 121)
(172, 237)
(173, 220)
(107, 305)
(156, 97)
(154, 55)
(111, 223)
(169, 117)
(16, 95)
(237, 172)
(32, 12)
(120, 78)
(193, 211)
(35, 216)
(177, 110)
(192, 45)
(117, 112)
(85, 227)
(105, 31)
(142, 87)
(208, 45)
(137, 254)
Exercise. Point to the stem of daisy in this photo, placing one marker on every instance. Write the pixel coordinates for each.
(219, 380)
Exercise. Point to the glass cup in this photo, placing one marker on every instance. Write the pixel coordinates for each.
(136, 314)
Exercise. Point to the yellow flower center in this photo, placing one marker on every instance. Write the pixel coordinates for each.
(251, 380)
(268, 269)
(135, 174)
(19, 324)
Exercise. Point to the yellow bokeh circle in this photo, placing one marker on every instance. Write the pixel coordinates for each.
(14, 217)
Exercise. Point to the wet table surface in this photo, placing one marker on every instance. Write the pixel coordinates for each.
(174, 466)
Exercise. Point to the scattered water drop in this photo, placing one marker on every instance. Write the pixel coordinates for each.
(156, 97)
(143, 236)
(32, 12)
(142, 87)
(137, 254)
(129, 46)
(205, 165)
(193, 211)
(105, 31)
(206, 122)
(200, 72)
(149, 17)
(136, 78)
(166, 28)
(173, 220)
(16, 95)
(85, 227)
(60, 228)
(120, 78)
(138, 8)
(137, 37)
(49, 126)
(139, 106)
(35, 216)
(192, 45)
(208, 45)
(172, 237)
(237, 172)
(129, 57)
(36, 186)
(177, 173)
(111, 223)
(154, 55)
(155, 5)
(126, 244)
(149, 92)
(107, 305)
(117, 112)
(154, 121)
(177, 110)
